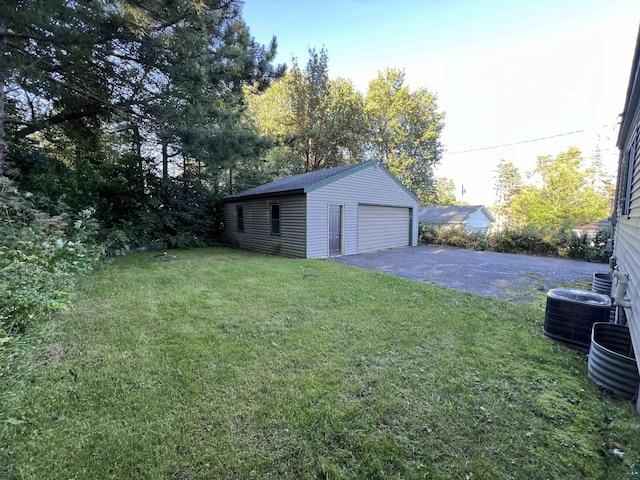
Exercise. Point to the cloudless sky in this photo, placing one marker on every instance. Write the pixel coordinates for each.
(504, 71)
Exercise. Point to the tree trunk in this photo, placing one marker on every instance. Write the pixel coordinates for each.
(137, 145)
(165, 161)
(216, 181)
(165, 172)
(78, 153)
(309, 159)
(3, 145)
(230, 180)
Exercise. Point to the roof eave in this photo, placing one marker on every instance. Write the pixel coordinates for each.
(488, 213)
(631, 100)
(283, 193)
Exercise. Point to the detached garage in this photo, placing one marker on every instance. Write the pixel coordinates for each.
(340, 211)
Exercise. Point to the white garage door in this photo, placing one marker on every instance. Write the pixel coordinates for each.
(382, 227)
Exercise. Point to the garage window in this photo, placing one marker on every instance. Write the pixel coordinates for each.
(275, 219)
(240, 218)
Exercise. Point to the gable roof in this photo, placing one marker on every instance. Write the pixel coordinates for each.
(306, 182)
(297, 183)
(453, 214)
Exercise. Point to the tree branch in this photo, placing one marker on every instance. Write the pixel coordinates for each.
(82, 112)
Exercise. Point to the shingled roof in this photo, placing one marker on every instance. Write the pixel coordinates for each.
(451, 214)
(297, 183)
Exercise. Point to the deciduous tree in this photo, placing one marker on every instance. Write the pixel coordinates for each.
(405, 129)
(317, 122)
(564, 195)
(443, 193)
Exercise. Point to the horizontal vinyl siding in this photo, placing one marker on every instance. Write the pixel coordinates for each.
(372, 186)
(627, 246)
(628, 256)
(382, 227)
(478, 222)
(257, 226)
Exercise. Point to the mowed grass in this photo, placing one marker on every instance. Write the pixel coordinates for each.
(227, 364)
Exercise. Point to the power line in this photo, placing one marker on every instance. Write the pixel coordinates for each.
(520, 143)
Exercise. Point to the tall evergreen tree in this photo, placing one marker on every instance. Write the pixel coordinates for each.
(163, 78)
(508, 183)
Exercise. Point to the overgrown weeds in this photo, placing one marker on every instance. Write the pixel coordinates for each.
(40, 258)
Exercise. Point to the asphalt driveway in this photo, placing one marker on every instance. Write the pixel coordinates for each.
(499, 275)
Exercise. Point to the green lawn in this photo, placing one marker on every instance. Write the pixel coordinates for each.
(226, 364)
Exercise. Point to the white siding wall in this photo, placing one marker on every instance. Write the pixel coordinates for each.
(478, 222)
(372, 186)
(627, 246)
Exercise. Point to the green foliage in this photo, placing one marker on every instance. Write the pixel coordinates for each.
(318, 123)
(405, 130)
(40, 257)
(129, 94)
(527, 240)
(315, 122)
(443, 193)
(567, 196)
(549, 243)
(508, 184)
(428, 233)
(592, 249)
(454, 236)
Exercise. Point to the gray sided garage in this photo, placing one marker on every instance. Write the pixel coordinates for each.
(340, 211)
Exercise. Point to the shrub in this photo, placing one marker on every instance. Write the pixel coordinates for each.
(479, 240)
(457, 236)
(559, 243)
(40, 255)
(428, 233)
(602, 238)
(502, 241)
(578, 246)
(593, 250)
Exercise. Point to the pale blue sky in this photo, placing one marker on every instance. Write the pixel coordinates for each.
(504, 70)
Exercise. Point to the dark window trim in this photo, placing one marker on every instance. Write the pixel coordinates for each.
(274, 222)
(632, 154)
(240, 218)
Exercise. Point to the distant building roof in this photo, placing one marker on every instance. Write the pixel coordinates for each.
(297, 183)
(453, 214)
(594, 226)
